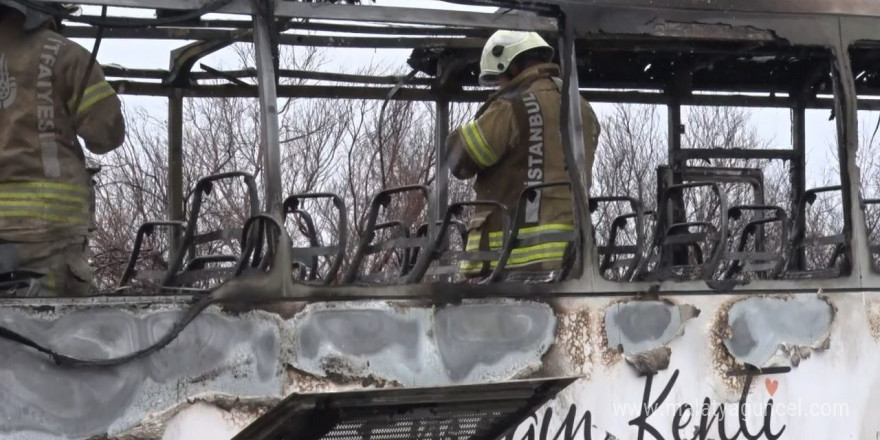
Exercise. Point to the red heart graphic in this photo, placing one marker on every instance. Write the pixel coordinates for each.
(771, 385)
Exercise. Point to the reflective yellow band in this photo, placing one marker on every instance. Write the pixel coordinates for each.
(550, 227)
(41, 206)
(496, 238)
(524, 256)
(44, 205)
(93, 94)
(50, 201)
(27, 195)
(477, 145)
(50, 281)
(21, 213)
(44, 186)
(478, 135)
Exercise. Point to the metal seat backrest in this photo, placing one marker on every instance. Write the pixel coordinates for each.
(226, 240)
(619, 261)
(561, 242)
(386, 246)
(456, 239)
(150, 276)
(872, 218)
(703, 242)
(317, 263)
(800, 240)
(759, 261)
(487, 263)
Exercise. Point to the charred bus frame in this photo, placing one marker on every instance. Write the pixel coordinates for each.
(581, 26)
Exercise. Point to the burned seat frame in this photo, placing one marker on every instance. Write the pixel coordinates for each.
(437, 251)
(131, 273)
(494, 261)
(799, 241)
(610, 253)
(874, 245)
(669, 235)
(181, 271)
(400, 244)
(306, 259)
(759, 260)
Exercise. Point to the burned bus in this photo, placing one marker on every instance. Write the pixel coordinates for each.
(725, 291)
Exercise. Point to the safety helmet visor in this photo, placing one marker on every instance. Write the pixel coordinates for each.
(489, 79)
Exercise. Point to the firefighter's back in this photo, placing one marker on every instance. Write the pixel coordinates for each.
(42, 175)
(536, 157)
(49, 95)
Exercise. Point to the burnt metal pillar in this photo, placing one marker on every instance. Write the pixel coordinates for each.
(680, 86)
(673, 110)
(855, 228)
(448, 72)
(440, 195)
(267, 84)
(797, 171)
(574, 148)
(175, 168)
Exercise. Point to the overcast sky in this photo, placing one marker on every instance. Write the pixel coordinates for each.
(772, 124)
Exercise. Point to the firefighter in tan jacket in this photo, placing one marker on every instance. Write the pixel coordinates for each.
(47, 99)
(515, 141)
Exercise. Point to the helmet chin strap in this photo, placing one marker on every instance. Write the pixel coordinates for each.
(510, 74)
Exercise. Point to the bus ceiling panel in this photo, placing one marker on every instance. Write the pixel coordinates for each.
(291, 39)
(331, 11)
(740, 67)
(328, 11)
(860, 30)
(421, 94)
(379, 42)
(176, 5)
(205, 29)
(869, 8)
(711, 24)
(149, 33)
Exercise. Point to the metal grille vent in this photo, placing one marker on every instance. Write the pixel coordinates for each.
(443, 424)
(472, 412)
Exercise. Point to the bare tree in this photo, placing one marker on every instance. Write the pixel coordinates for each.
(633, 145)
(220, 135)
(327, 146)
(338, 146)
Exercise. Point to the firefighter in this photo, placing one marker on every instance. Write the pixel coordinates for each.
(515, 141)
(48, 97)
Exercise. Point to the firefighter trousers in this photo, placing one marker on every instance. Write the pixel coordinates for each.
(64, 263)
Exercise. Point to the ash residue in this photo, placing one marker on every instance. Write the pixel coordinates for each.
(722, 360)
(874, 319)
(305, 382)
(573, 337)
(608, 356)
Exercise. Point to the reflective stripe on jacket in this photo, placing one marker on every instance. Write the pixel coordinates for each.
(49, 201)
(536, 245)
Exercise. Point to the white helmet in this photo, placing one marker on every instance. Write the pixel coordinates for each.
(502, 47)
